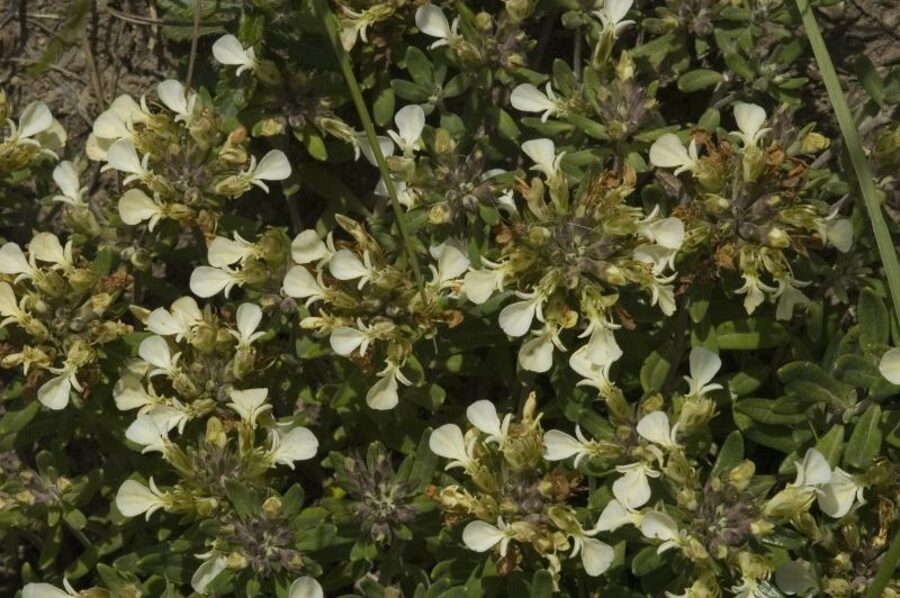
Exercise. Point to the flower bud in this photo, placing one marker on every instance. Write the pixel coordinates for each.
(776, 237)
(271, 507)
(236, 561)
(215, 432)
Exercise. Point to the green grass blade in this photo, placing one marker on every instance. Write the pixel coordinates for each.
(331, 28)
(883, 240)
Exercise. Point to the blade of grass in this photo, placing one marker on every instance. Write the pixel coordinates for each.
(861, 168)
(882, 235)
(330, 23)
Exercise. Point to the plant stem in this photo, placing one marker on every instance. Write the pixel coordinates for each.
(873, 209)
(328, 21)
(861, 167)
(195, 36)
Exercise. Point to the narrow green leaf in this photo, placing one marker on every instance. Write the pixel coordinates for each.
(865, 441)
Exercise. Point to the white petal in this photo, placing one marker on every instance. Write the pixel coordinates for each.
(46, 247)
(274, 166)
(383, 394)
(65, 175)
(35, 118)
(528, 98)
(54, 393)
(133, 499)
(109, 125)
(541, 151)
(171, 93)
(136, 206)
(704, 365)
(655, 428)
(750, 119)
(669, 152)
(559, 446)
(144, 431)
(8, 304)
(615, 10)
(795, 577)
(889, 366)
(483, 415)
(668, 232)
(43, 590)
(13, 260)
(163, 323)
(297, 445)
(300, 284)
(602, 348)
(346, 340)
(155, 351)
(225, 252)
(207, 572)
(613, 517)
(481, 284)
(307, 247)
(481, 536)
(659, 526)
(813, 471)
(515, 319)
(248, 318)
(431, 21)
(410, 121)
(229, 50)
(249, 400)
(345, 265)
(447, 441)
(206, 281)
(451, 263)
(536, 354)
(186, 310)
(305, 587)
(596, 556)
(840, 234)
(837, 496)
(123, 157)
(129, 393)
(632, 489)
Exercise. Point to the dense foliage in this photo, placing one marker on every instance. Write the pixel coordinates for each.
(577, 296)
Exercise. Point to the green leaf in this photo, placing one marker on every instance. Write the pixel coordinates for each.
(869, 78)
(831, 444)
(654, 371)
(865, 441)
(874, 321)
(698, 79)
(763, 411)
(647, 560)
(731, 453)
(541, 584)
(811, 383)
(419, 67)
(245, 501)
(750, 334)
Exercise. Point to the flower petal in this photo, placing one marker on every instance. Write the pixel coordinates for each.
(481, 536)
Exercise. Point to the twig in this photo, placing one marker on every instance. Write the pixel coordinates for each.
(92, 64)
(195, 36)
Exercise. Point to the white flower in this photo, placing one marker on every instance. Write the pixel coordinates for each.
(481, 536)
(789, 296)
(528, 98)
(837, 232)
(35, 118)
(667, 232)
(13, 261)
(228, 50)
(247, 318)
(750, 119)
(596, 556)
(536, 354)
(307, 247)
(813, 472)
(410, 121)
(9, 308)
(704, 365)
(593, 374)
(889, 366)
(796, 577)
(155, 351)
(180, 101)
(755, 290)
(657, 256)
(383, 394)
(123, 157)
(479, 285)
(361, 145)
(299, 444)
(345, 340)
(669, 152)
(223, 251)
(660, 526)
(207, 281)
(129, 393)
(54, 393)
(431, 21)
(146, 432)
(133, 499)
(615, 515)
(45, 590)
(654, 427)
(65, 175)
(612, 13)
(839, 493)
(300, 284)
(602, 348)
(559, 446)
(543, 153)
(448, 442)
(633, 488)
(345, 265)
(305, 587)
(249, 404)
(178, 321)
(274, 166)
(136, 207)
(207, 571)
(451, 263)
(45, 247)
(406, 195)
(483, 415)
(515, 319)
